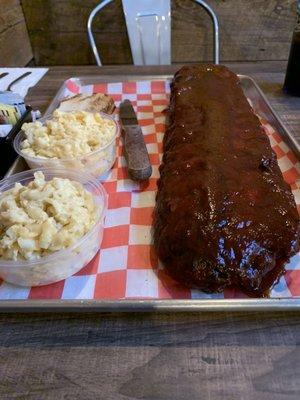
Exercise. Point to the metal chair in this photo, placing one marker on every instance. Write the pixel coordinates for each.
(148, 25)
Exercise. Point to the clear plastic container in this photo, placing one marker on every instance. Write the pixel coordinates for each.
(96, 163)
(62, 263)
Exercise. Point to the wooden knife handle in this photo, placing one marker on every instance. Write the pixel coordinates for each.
(136, 154)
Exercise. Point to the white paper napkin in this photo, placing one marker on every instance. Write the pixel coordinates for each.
(24, 84)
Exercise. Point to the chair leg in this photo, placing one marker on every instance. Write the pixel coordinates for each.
(215, 21)
(90, 32)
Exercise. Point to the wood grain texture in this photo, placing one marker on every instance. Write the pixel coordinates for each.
(57, 30)
(250, 30)
(179, 356)
(150, 356)
(15, 48)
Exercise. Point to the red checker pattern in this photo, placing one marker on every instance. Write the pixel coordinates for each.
(130, 202)
(115, 236)
(141, 257)
(110, 187)
(144, 97)
(100, 88)
(151, 138)
(154, 159)
(276, 137)
(53, 291)
(291, 175)
(91, 268)
(158, 87)
(121, 199)
(292, 157)
(278, 150)
(122, 173)
(292, 279)
(129, 87)
(110, 285)
(149, 185)
(141, 216)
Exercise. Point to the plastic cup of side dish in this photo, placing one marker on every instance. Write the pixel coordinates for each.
(96, 163)
(62, 263)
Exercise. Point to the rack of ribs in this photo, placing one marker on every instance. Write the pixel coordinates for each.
(224, 215)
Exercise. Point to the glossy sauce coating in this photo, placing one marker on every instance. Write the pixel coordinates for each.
(224, 216)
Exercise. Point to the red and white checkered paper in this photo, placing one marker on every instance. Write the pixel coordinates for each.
(127, 267)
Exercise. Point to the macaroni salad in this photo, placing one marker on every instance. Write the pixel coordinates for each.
(67, 135)
(43, 217)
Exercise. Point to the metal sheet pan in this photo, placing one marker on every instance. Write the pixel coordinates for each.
(262, 107)
(204, 305)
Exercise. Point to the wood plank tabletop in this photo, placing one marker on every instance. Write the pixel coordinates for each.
(167, 356)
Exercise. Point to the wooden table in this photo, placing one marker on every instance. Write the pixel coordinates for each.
(254, 356)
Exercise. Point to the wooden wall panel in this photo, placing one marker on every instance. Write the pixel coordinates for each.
(250, 30)
(15, 49)
(57, 31)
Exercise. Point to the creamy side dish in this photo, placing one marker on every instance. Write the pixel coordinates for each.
(67, 135)
(44, 217)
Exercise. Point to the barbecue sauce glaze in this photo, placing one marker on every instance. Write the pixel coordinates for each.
(224, 216)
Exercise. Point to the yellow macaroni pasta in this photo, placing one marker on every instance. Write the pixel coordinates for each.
(43, 217)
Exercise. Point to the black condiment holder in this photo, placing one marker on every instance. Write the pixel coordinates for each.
(7, 151)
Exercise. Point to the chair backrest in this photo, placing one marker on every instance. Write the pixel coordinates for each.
(149, 28)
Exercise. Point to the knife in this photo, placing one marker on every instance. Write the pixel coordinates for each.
(136, 154)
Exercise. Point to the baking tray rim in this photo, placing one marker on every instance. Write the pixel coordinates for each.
(154, 305)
